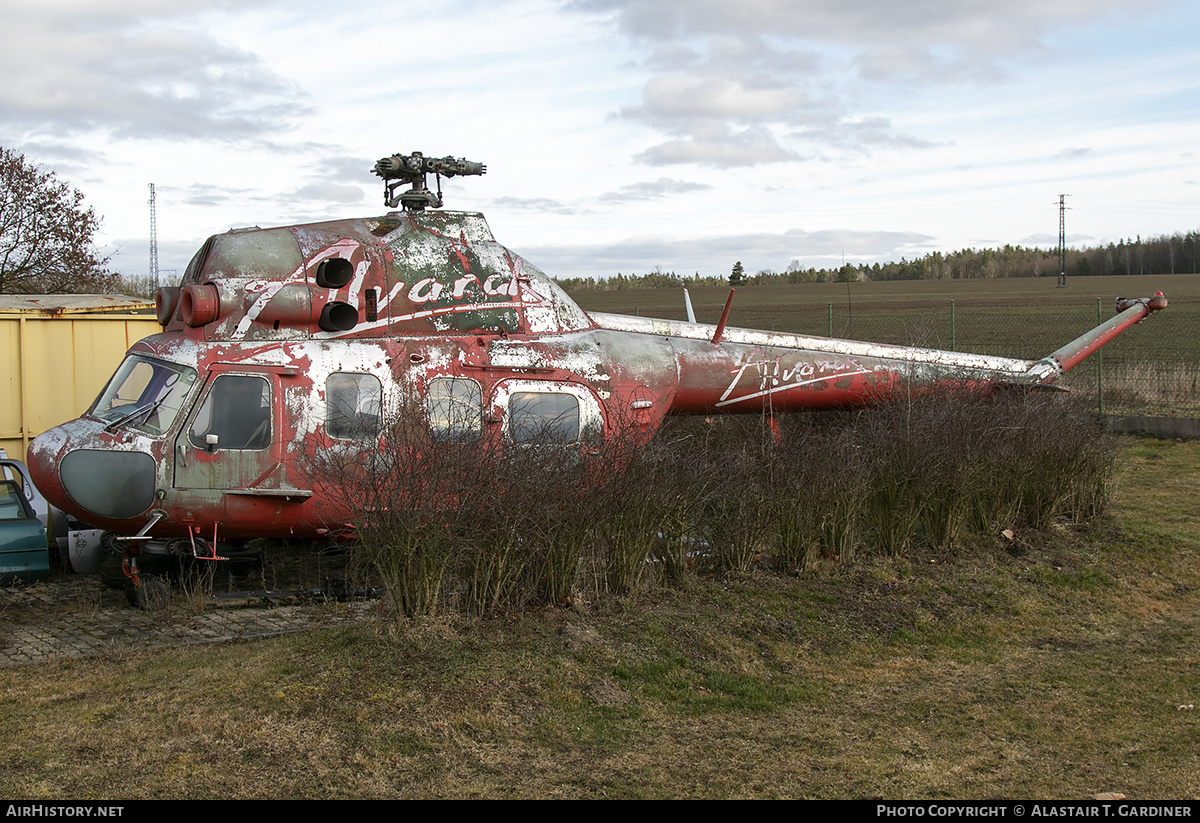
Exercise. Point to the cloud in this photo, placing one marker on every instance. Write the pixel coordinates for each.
(348, 168)
(138, 70)
(328, 181)
(1073, 154)
(1040, 240)
(654, 190)
(733, 83)
(330, 192)
(71, 163)
(712, 255)
(677, 96)
(204, 195)
(538, 204)
(859, 136)
(988, 26)
(721, 148)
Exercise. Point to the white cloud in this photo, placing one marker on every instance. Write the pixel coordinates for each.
(834, 115)
(678, 96)
(203, 194)
(654, 190)
(989, 26)
(770, 71)
(713, 255)
(331, 192)
(143, 70)
(534, 204)
(859, 136)
(720, 147)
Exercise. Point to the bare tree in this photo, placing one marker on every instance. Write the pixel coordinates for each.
(46, 233)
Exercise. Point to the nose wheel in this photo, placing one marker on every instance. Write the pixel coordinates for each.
(149, 592)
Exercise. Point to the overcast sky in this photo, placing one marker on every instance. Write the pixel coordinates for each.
(621, 135)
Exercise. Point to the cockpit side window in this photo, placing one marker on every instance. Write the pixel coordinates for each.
(352, 405)
(237, 412)
(455, 409)
(145, 394)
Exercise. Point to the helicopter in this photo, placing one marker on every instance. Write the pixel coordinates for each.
(284, 342)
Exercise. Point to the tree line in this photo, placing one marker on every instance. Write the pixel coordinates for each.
(1163, 254)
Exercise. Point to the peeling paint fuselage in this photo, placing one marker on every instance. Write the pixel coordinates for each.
(285, 346)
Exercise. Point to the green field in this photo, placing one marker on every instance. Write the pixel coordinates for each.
(1152, 369)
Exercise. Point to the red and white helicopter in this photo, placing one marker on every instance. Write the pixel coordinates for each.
(284, 342)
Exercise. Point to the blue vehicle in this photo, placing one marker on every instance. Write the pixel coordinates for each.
(23, 549)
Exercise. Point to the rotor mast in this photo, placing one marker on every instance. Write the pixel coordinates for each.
(412, 169)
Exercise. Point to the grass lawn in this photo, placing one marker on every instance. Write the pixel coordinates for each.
(1059, 664)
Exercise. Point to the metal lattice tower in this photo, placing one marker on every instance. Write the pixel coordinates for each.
(153, 241)
(1062, 241)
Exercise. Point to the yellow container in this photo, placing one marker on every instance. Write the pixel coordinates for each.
(57, 351)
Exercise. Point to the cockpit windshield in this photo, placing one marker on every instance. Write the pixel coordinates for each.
(145, 395)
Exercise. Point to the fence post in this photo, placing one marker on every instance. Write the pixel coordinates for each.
(829, 324)
(952, 348)
(1099, 366)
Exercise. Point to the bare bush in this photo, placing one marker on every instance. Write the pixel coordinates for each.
(405, 500)
(640, 507)
(487, 525)
(959, 462)
(734, 516)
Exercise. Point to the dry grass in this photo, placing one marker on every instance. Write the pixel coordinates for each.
(1162, 387)
(1052, 665)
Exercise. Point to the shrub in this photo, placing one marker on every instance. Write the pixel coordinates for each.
(484, 526)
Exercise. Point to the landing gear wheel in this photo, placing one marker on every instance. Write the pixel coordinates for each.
(150, 593)
(179, 547)
(111, 573)
(110, 544)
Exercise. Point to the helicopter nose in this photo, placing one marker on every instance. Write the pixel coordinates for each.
(104, 482)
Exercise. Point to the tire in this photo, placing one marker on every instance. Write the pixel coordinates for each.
(111, 573)
(152, 593)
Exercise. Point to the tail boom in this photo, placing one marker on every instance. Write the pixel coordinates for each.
(721, 369)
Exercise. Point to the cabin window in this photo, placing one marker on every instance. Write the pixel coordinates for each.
(145, 395)
(455, 409)
(352, 405)
(543, 417)
(237, 412)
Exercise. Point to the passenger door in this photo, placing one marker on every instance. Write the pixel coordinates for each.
(231, 440)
